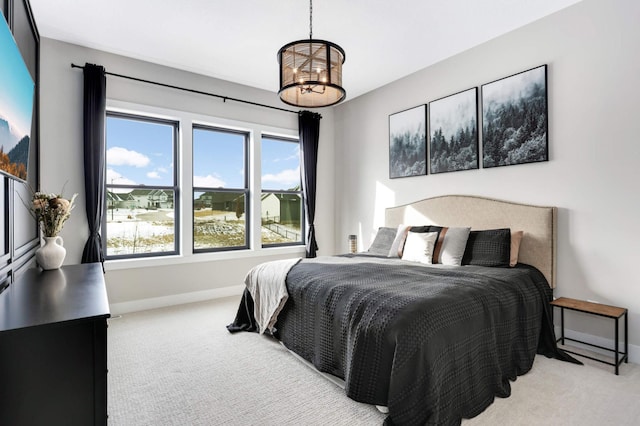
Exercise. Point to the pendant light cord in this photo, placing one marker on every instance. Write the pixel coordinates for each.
(310, 19)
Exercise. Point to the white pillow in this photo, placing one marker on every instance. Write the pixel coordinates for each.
(453, 246)
(398, 242)
(418, 247)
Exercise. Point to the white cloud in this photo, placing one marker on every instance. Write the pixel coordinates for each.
(162, 169)
(208, 182)
(118, 156)
(294, 156)
(288, 177)
(154, 175)
(115, 178)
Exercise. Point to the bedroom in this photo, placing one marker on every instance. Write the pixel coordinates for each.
(593, 95)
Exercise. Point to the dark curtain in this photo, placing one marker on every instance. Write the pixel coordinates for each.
(309, 131)
(94, 114)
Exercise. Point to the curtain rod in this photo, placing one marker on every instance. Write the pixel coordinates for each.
(224, 98)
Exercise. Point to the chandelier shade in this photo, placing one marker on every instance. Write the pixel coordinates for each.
(311, 73)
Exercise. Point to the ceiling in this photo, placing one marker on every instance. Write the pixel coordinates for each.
(238, 40)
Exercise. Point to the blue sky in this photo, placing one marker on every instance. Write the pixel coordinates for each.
(141, 153)
(218, 159)
(16, 86)
(280, 164)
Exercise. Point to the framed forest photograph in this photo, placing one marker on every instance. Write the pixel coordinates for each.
(408, 142)
(453, 128)
(515, 119)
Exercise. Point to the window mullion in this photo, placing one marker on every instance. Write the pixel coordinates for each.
(255, 184)
(185, 182)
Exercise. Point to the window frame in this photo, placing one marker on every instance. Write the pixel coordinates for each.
(148, 118)
(303, 221)
(246, 190)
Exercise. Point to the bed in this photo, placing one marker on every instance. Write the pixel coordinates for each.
(434, 343)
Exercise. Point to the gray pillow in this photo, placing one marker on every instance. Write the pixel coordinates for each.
(382, 242)
(452, 247)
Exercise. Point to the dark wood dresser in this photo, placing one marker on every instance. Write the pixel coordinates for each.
(53, 348)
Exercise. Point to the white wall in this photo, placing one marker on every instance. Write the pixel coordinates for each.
(591, 50)
(166, 280)
(594, 98)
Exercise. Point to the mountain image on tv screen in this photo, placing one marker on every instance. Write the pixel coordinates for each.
(16, 107)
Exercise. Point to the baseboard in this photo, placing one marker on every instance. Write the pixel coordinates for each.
(176, 299)
(634, 350)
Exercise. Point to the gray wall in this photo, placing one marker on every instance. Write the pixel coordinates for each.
(149, 283)
(591, 50)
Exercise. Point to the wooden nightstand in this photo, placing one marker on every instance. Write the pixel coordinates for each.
(606, 311)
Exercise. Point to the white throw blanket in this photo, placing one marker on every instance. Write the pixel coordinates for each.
(267, 285)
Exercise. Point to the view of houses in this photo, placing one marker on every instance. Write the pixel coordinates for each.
(142, 220)
(140, 199)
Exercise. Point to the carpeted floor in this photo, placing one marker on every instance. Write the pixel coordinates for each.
(180, 366)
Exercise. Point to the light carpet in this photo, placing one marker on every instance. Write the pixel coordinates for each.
(180, 366)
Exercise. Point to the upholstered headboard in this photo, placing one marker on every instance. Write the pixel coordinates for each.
(538, 246)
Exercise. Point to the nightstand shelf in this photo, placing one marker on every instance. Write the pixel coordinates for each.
(606, 311)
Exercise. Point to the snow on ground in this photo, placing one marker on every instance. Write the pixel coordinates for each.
(153, 230)
(141, 222)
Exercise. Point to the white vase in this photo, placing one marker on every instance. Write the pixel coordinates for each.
(51, 254)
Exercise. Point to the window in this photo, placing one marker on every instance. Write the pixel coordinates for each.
(141, 187)
(197, 188)
(281, 207)
(220, 189)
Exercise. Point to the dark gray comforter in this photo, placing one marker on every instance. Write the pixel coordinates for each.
(434, 344)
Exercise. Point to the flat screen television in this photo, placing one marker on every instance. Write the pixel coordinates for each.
(16, 107)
